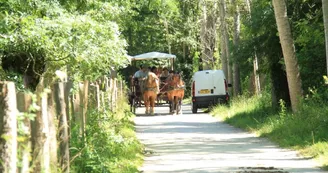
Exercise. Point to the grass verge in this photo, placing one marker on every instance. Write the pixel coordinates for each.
(305, 131)
(110, 144)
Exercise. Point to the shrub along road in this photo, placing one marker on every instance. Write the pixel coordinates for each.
(199, 143)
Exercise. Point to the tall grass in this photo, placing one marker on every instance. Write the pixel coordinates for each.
(306, 131)
(110, 144)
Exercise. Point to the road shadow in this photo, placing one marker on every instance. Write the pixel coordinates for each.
(202, 139)
(163, 110)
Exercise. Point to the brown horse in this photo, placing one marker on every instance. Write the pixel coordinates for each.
(150, 91)
(175, 93)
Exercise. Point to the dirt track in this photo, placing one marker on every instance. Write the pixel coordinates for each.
(199, 143)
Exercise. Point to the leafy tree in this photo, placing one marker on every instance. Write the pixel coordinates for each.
(286, 39)
(47, 37)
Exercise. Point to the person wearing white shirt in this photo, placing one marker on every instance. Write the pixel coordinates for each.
(141, 73)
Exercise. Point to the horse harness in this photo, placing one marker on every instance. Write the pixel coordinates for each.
(174, 86)
(154, 88)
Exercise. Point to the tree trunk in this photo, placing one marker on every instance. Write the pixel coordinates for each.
(248, 5)
(257, 83)
(211, 37)
(184, 50)
(203, 33)
(208, 34)
(288, 49)
(223, 46)
(225, 40)
(223, 57)
(63, 126)
(236, 72)
(325, 19)
(256, 75)
(8, 127)
(166, 25)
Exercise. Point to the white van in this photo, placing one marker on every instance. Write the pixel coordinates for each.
(209, 87)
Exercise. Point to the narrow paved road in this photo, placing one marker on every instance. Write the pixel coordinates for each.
(199, 143)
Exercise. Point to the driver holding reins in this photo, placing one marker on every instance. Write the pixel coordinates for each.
(142, 73)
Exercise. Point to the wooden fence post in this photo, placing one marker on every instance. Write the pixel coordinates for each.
(108, 93)
(85, 102)
(105, 93)
(121, 89)
(52, 131)
(111, 93)
(45, 133)
(94, 95)
(77, 118)
(24, 101)
(40, 132)
(102, 100)
(8, 127)
(115, 94)
(83, 91)
(81, 115)
(98, 103)
(63, 126)
(68, 85)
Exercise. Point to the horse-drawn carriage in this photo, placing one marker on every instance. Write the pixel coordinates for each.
(152, 89)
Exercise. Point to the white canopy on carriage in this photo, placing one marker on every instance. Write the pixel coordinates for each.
(153, 55)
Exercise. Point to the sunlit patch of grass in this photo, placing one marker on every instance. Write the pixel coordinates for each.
(305, 131)
(318, 150)
(186, 100)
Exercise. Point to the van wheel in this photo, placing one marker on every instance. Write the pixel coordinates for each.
(194, 109)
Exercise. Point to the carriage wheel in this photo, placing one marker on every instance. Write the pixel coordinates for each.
(170, 106)
(194, 109)
(179, 107)
(133, 106)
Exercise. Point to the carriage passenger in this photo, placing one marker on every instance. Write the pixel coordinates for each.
(141, 73)
(138, 79)
(171, 73)
(154, 69)
(165, 73)
(159, 71)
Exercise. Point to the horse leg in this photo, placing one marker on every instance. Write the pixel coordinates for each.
(182, 96)
(152, 104)
(179, 106)
(169, 98)
(146, 101)
(175, 105)
(147, 106)
(172, 106)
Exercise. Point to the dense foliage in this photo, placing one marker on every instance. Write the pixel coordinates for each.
(259, 34)
(39, 37)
